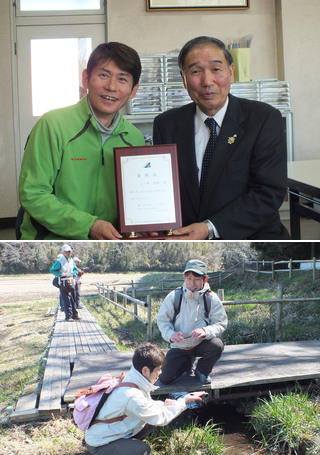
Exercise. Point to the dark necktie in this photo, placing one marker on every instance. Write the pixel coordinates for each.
(211, 123)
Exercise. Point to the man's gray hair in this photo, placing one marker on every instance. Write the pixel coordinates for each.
(200, 40)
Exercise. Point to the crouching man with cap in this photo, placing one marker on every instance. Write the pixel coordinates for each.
(192, 319)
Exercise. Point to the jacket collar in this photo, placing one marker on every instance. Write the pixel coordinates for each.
(138, 379)
(87, 114)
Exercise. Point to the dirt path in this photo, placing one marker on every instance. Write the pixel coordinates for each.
(38, 287)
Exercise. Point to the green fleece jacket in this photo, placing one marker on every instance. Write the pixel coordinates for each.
(67, 178)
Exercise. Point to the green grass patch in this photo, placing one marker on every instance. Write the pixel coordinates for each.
(23, 343)
(288, 423)
(181, 438)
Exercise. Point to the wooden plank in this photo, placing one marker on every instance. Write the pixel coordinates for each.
(240, 365)
(104, 340)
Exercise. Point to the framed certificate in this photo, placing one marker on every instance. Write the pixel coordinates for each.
(148, 192)
(175, 5)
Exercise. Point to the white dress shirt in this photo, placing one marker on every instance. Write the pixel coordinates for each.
(202, 135)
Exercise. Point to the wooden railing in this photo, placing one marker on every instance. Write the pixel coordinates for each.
(106, 290)
(271, 266)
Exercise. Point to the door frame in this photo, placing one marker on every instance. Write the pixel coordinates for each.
(50, 19)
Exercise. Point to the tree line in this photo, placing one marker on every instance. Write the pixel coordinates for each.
(126, 256)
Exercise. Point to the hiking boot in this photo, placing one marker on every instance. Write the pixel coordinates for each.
(77, 318)
(202, 378)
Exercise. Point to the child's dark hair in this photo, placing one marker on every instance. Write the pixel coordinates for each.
(148, 355)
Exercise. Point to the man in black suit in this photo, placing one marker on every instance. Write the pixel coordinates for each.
(245, 183)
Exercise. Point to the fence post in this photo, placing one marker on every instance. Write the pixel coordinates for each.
(149, 326)
(279, 312)
(221, 294)
(314, 269)
(115, 295)
(290, 268)
(257, 262)
(124, 290)
(135, 305)
(244, 265)
(272, 268)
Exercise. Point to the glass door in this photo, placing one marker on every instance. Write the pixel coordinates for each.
(50, 62)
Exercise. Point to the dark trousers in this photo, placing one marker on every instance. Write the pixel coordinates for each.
(77, 294)
(69, 304)
(130, 446)
(179, 360)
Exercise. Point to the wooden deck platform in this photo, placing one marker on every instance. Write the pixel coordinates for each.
(69, 339)
(240, 366)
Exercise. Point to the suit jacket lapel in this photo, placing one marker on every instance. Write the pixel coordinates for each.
(184, 137)
(229, 138)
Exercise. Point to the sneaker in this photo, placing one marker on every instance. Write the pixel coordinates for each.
(70, 320)
(81, 305)
(77, 318)
(202, 378)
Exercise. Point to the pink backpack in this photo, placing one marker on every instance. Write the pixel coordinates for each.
(90, 401)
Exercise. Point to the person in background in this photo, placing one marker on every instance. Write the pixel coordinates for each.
(67, 182)
(66, 270)
(194, 327)
(142, 413)
(78, 281)
(232, 152)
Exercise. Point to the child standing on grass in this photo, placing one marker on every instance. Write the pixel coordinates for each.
(142, 412)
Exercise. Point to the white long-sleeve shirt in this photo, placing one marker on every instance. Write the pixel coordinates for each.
(139, 407)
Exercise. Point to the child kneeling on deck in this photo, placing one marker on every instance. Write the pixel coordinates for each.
(142, 412)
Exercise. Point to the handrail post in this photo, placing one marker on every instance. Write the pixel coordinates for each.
(115, 295)
(124, 290)
(290, 268)
(257, 262)
(135, 306)
(149, 326)
(314, 269)
(221, 294)
(279, 312)
(272, 268)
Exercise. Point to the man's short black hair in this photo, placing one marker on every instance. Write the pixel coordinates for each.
(201, 40)
(126, 58)
(148, 355)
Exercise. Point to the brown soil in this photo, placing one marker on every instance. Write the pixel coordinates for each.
(38, 287)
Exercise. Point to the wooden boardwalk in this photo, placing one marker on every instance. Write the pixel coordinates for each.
(69, 339)
(81, 352)
(240, 366)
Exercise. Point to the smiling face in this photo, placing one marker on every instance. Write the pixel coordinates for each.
(109, 88)
(194, 282)
(207, 77)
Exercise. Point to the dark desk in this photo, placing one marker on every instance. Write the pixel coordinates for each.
(304, 193)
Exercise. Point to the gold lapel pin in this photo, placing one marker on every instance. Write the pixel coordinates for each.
(232, 139)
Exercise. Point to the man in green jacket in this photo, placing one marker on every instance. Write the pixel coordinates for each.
(67, 181)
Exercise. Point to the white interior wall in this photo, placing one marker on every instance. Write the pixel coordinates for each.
(301, 33)
(161, 32)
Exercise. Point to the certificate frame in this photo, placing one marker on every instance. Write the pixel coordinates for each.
(191, 5)
(132, 168)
